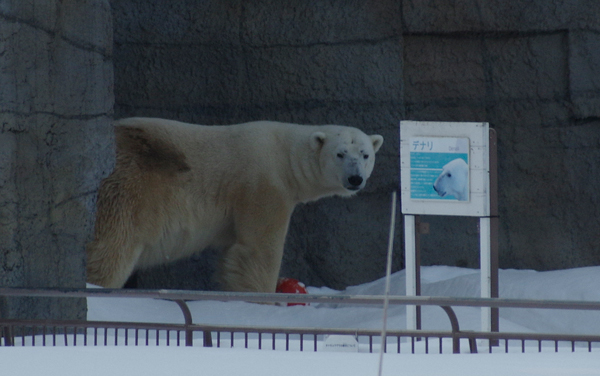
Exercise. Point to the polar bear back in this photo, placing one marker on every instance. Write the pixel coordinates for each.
(249, 152)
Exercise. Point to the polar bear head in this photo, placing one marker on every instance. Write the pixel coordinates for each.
(454, 179)
(346, 157)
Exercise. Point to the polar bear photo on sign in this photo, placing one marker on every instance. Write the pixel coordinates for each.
(179, 188)
(453, 180)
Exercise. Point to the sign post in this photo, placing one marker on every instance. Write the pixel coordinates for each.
(449, 168)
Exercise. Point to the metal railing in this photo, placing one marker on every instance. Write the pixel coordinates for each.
(17, 332)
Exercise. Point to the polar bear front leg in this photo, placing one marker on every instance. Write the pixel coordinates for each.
(250, 269)
(252, 264)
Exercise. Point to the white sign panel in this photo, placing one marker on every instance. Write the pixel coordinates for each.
(341, 343)
(444, 168)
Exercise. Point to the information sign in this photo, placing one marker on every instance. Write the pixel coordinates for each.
(450, 169)
(444, 168)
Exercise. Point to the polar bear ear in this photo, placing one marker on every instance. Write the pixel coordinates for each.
(377, 141)
(317, 140)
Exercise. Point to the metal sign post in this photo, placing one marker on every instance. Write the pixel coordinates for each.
(488, 240)
(412, 268)
(449, 168)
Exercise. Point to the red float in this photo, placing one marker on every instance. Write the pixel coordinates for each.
(291, 286)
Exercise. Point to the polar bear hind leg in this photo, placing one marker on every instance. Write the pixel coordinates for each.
(112, 270)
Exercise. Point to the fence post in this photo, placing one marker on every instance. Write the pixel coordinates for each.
(7, 334)
(187, 316)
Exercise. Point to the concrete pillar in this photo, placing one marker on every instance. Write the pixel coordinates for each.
(56, 144)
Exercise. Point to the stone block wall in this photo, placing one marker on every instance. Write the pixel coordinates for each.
(56, 144)
(530, 68)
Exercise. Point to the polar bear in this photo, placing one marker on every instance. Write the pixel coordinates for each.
(179, 188)
(454, 180)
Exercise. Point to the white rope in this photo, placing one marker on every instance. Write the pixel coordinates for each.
(388, 273)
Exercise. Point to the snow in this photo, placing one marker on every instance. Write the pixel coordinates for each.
(572, 284)
(149, 361)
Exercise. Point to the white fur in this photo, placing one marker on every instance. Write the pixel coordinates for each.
(179, 188)
(454, 180)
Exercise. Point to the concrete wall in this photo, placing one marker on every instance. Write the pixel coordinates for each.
(530, 68)
(56, 144)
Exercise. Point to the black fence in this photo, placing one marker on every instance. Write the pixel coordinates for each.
(49, 332)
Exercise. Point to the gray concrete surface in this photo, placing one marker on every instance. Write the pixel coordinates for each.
(56, 143)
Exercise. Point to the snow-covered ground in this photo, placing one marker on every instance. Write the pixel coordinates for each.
(573, 284)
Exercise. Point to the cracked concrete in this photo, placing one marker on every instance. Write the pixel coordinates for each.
(56, 144)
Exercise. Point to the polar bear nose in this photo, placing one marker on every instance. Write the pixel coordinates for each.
(355, 180)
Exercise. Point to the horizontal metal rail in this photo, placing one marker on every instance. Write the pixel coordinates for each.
(301, 298)
(9, 326)
(71, 329)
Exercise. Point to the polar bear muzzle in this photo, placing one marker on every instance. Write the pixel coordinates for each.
(354, 182)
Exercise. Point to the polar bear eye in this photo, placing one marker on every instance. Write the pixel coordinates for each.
(449, 175)
(366, 156)
(340, 155)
